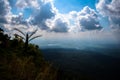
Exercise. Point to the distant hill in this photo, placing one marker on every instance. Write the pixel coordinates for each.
(85, 64)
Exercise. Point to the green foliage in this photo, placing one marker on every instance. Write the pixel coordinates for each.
(18, 65)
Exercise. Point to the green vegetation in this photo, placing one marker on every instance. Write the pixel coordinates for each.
(20, 60)
(16, 64)
(27, 37)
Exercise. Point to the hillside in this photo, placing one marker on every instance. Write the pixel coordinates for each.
(16, 63)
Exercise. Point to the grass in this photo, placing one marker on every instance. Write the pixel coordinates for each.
(16, 64)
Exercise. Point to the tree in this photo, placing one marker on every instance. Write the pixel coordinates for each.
(4, 38)
(27, 37)
(1, 30)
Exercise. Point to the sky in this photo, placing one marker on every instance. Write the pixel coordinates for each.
(64, 6)
(74, 17)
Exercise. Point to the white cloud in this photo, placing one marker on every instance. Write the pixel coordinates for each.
(111, 9)
(45, 12)
(44, 9)
(4, 11)
(58, 24)
(48, 18)
(74, 21)
(22, 4)
(5, 15)
(86, 19)
(17, 19)
(47, 1)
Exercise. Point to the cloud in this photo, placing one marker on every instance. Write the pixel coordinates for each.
(17, 19)
(8, 21)
(47, 17)
(22, 4)
(57, 25)
(35, 4)
(45, 12)
(5, 15)
(111, 9)
(4, 10)
(86, 19)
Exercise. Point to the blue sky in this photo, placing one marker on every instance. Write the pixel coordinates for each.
(65, 6)
(91, 17)
(72, 14)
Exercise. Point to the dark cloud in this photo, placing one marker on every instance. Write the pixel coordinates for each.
(88, 19)
(44, 13)
(90, 24)
(59, 26)
(46, 17)
(4, 14)
(3, 20)
(4, 9)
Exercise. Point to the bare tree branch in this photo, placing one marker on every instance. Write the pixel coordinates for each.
(33, 33)
(20, 31)
(34, 37)
(27, 37)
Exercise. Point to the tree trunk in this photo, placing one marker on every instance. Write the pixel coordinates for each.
(26, 43)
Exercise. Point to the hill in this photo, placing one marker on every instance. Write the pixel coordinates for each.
(16, 63)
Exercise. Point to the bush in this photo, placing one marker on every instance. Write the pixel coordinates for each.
(15, 64)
